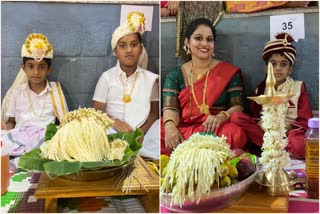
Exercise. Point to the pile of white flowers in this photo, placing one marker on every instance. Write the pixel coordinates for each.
(274, 156)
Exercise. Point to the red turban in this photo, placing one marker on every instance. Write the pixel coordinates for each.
(280, 46)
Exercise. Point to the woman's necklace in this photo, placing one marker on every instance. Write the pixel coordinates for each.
(127, 97)
(199, 76)
(204, 108)
(43, 107)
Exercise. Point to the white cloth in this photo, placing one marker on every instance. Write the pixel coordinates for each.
(109, 90)
(151, 141)
(20, 79)
(20, 108)
(22, 140)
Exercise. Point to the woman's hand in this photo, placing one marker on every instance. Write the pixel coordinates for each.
(173, 7)
(213, 122)
(122, 126)
(172, 136)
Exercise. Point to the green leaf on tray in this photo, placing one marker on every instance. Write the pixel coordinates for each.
(51, 131)
(32, 161)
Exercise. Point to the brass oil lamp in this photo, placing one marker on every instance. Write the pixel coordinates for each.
(278, 181)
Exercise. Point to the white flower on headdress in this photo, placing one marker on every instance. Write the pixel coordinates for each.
(38, 46)
(136, 21)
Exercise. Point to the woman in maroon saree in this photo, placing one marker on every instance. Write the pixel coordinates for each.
(202, 94)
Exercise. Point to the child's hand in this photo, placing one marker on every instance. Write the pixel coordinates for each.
(122, 126)
(3, 126)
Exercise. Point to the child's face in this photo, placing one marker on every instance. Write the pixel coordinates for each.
(128, 50)
(281, 67)
(36, 71)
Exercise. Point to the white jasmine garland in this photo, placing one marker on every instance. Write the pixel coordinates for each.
(274, 156)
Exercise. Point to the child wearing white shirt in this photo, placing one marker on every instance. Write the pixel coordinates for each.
(32, 102)
(128, 93)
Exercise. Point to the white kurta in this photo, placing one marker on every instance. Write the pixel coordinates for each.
(38, 111)
(110, 90)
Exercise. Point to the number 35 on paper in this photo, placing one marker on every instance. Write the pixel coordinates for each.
(291, 23)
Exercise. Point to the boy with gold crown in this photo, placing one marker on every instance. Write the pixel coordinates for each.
(32, 102)
(129, 93)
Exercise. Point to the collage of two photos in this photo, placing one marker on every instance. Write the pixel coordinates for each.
(159, 106)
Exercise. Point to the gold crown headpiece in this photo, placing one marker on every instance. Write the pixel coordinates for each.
(37, 46)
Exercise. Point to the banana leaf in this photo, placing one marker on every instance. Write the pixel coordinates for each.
(33, 161)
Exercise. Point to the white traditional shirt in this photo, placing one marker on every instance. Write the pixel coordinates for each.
(29, 108)
(112, 85)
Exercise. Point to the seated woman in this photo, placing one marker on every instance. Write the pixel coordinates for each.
(203, 94)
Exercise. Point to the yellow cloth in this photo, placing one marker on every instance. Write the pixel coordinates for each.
(251, 6)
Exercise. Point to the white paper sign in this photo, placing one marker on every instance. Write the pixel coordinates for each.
(291, 23)
(147, 10)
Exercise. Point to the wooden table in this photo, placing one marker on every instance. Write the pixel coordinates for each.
(51, 190)
(255, 201)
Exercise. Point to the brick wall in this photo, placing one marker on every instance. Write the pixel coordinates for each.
(81, 36)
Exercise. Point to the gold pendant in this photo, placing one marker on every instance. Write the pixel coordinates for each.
(126, 98)
(204, 109)
(199, 76)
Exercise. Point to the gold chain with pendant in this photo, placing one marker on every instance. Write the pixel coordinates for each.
(127, 96)
(204, 108)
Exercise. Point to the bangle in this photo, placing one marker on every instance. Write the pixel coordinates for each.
(225, 114)
(169, 120)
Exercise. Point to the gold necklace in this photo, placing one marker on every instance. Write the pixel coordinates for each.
(43, 107)
(127, 97)
(204, 108)
(199, 76)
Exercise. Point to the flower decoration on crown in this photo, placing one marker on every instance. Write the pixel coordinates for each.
(136, 21)
(38, 46)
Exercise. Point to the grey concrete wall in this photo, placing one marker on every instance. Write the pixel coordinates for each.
(81, 36)
(240, 41)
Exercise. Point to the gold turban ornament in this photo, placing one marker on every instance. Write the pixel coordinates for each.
(135, 23)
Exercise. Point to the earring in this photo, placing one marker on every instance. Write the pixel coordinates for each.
(186, 48)
(189, 50)
(213, 55)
